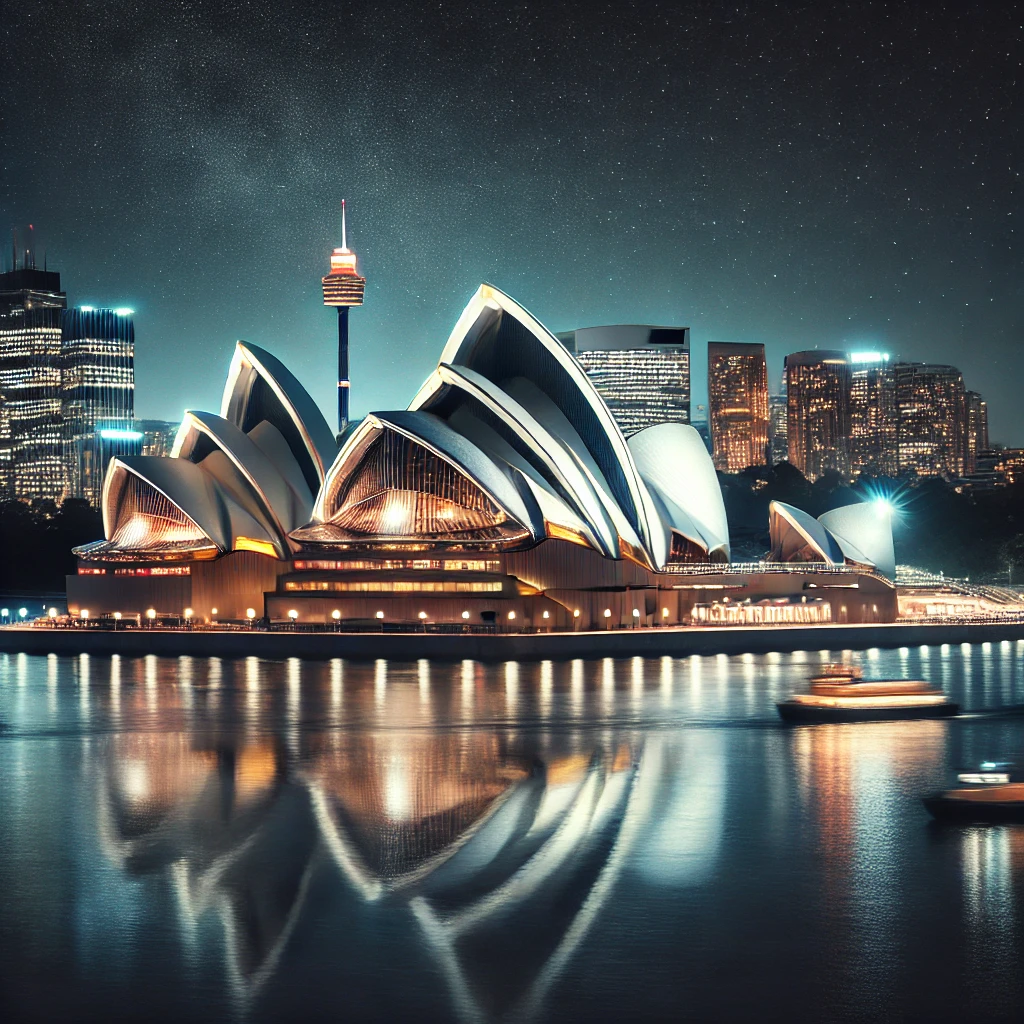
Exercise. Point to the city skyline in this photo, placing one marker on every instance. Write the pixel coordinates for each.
(630, 181)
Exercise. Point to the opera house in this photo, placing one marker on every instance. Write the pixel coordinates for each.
(504, 494)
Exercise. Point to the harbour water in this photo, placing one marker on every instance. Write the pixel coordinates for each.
(632, 839)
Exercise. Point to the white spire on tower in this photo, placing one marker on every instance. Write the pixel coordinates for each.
(344, 246)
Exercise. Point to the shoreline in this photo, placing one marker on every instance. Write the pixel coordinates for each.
(487, 647)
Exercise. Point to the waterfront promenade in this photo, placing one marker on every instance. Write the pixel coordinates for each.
(556, 646)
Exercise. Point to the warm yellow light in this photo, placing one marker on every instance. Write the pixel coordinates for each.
(576, 613)
(84, 613)
(52, 613)
(636, 613)
(213, 611)
(607, 613)
(250, 613)
(380, 615)
(150, 613)
(188, 613)
(261, 547)
(117, 616)
(465, 615)
(336, 615)
(292, 614)
(664, 613)
(423, 615)
(511, 615)
(547, 615)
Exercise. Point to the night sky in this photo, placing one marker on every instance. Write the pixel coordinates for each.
(806, 174)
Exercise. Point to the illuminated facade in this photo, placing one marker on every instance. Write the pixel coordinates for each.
(343, 288)
(977, 429)
(737, 405)
(932, 433)
(157, 436)
(97, 395)
(818, 412)
(778, 429)
(31, 426)
(873, 415)
(505, 494)
(641, 372)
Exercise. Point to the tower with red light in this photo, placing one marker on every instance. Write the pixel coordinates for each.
(343, 287)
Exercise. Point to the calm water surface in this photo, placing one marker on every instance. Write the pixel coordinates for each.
(581, 841)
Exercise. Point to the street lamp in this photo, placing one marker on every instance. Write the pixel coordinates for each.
(636, 615)
(293, 615)
(188, 616)
(117, 619)
(379, 615)
(22, 612)
(465, 615)
(250, 614)
(151, 615)
(52, 613)
(83, 614)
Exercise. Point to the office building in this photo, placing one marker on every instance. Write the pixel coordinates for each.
(641, 372)
(818, 412)
(343, 288)
(97, 395)
(31, 425)
(157, 436)
(737, 405)
(932, 429)
(977, 429)
(778, 429)
(873, 415)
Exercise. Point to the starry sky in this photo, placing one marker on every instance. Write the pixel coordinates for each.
(832, 175)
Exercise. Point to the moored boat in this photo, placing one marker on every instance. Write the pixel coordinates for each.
(840, 694)
(994, 794)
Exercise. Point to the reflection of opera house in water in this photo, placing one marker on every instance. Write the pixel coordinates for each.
(486, 854)
(505, 493)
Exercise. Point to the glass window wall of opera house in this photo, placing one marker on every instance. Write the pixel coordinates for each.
(504, 495)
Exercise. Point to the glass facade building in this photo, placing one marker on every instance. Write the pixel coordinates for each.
(737, 405)
(157, 436)
(932, 433)
(778, 429)
(31, 433)
(641, 372)
(873, 415)
(97, 395)
(977, 429)
(818, 412)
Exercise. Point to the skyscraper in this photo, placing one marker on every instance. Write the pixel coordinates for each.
(642, 372)
(32, 461)
(818, 406)
(343, 287)
(873, 419)
(738, 405)
(778, 428)
(932, 432)
(977, 429)
(98, 395)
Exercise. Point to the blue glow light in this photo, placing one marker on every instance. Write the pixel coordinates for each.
(114, 434)
(124, 311)
(869, 357)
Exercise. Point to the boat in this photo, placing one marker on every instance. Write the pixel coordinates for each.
(841, 694)
(994, 794)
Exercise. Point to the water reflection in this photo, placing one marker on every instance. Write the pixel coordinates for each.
(517, 841)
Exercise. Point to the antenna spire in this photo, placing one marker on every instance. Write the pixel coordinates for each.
(343, 242)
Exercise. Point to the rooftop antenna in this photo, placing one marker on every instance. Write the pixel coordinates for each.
(344, 244)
